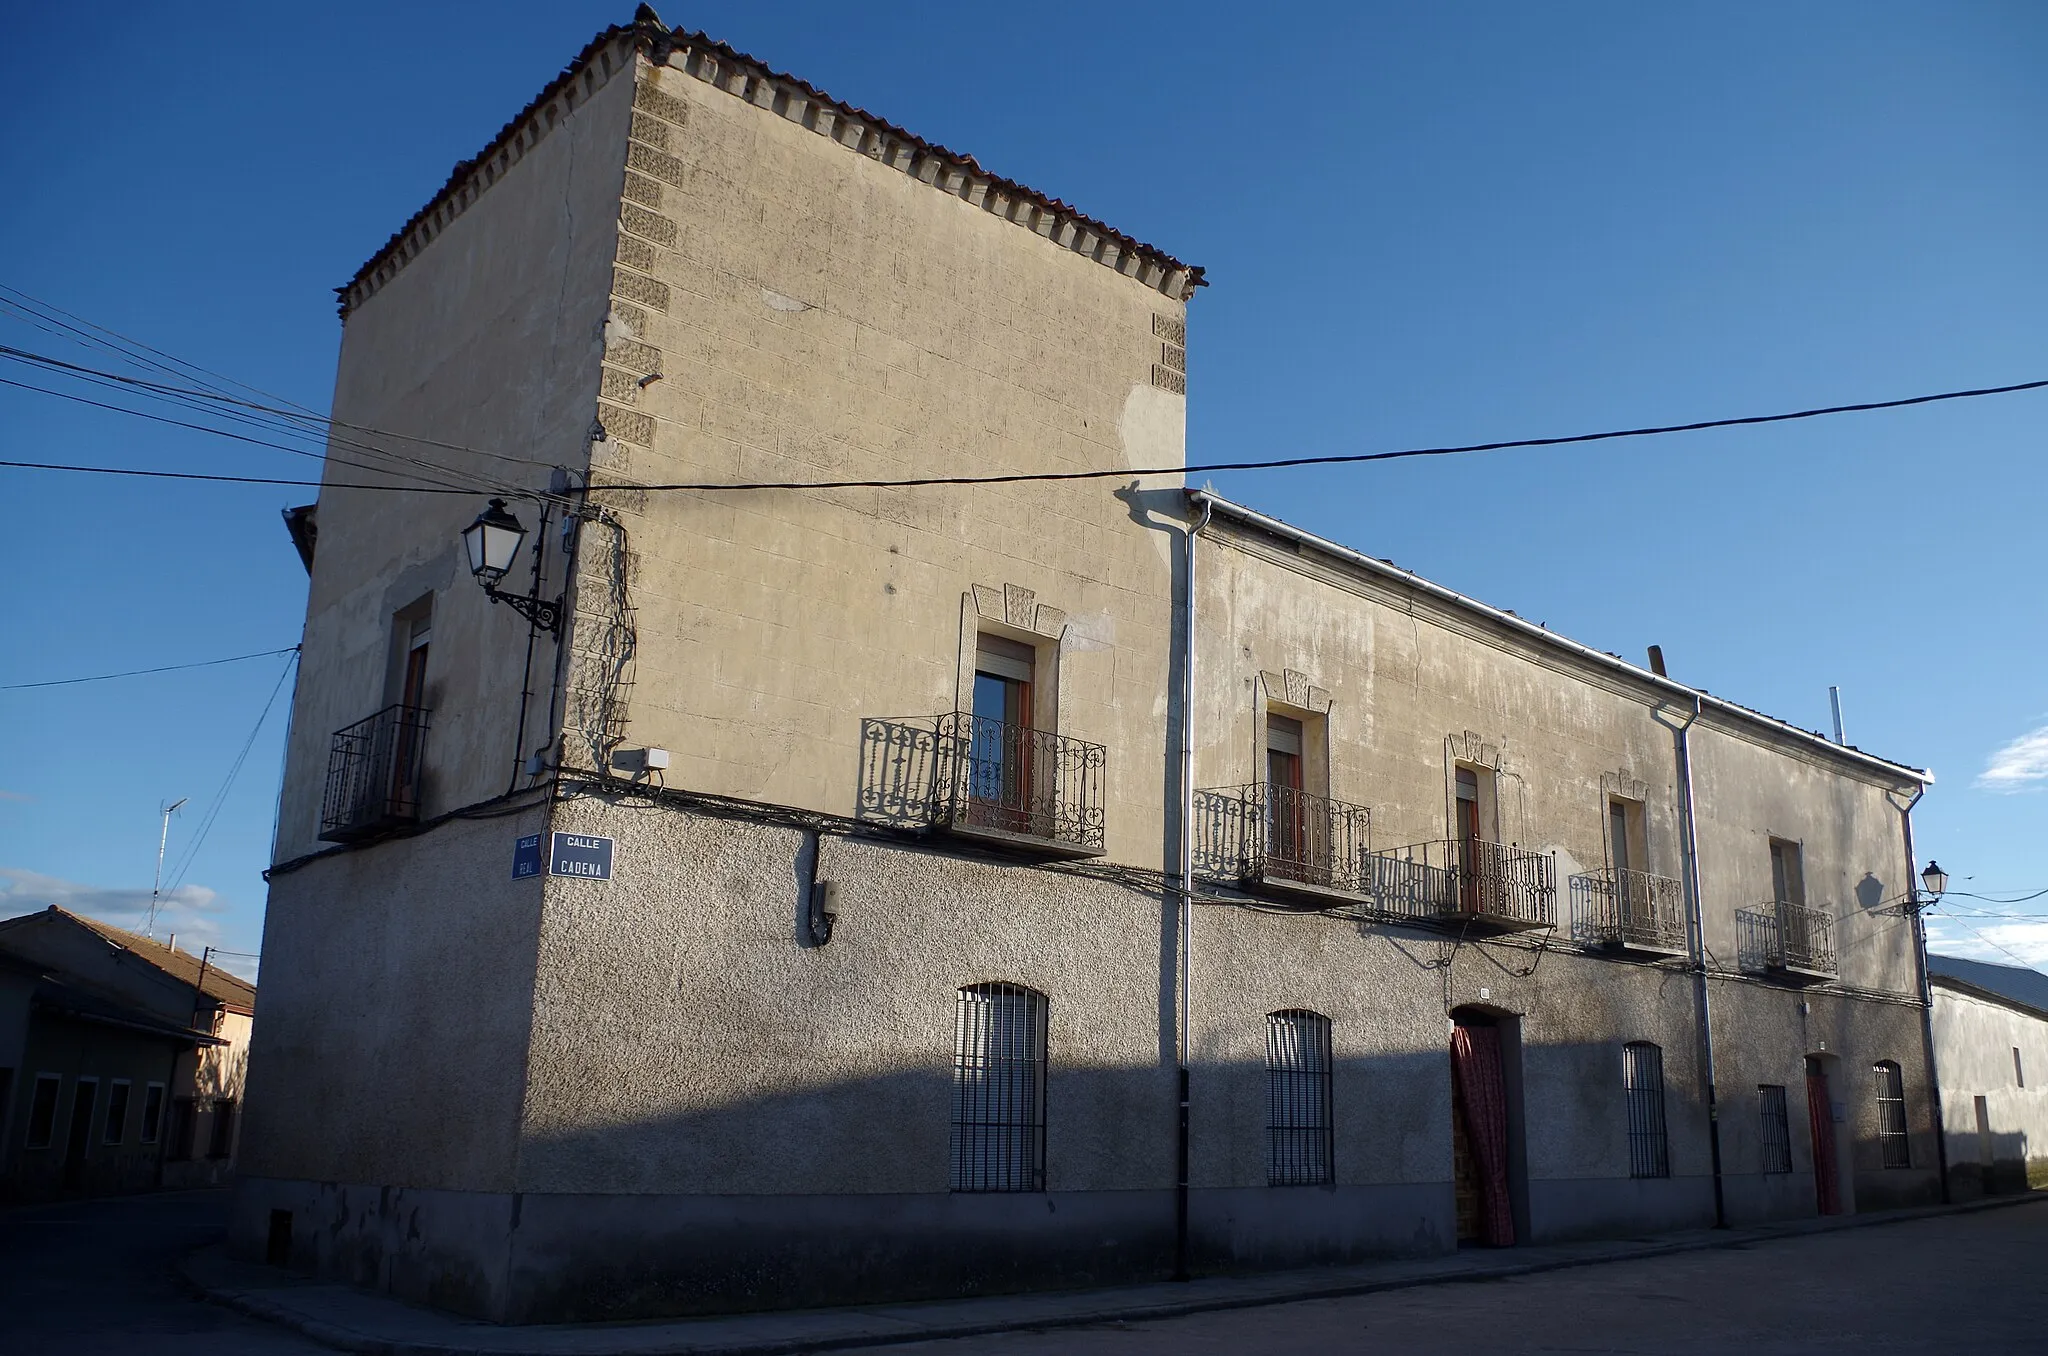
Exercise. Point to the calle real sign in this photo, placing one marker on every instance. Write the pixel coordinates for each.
(569, 854)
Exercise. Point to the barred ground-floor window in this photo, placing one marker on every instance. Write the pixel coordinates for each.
(1891, 1114)
(1299, 1123)
(1776, 1128)
(1642, 1073)
(998, 1137)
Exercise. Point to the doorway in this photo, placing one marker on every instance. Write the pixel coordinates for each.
(1486, 1127)
(1820, 1120)
(78, 1137)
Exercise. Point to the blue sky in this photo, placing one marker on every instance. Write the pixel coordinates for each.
(1424, 224)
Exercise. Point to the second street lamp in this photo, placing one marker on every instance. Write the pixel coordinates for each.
(493, 544)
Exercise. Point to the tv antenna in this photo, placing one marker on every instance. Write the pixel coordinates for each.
(156, 890)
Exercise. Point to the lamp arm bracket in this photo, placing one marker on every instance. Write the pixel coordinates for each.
(544, 614)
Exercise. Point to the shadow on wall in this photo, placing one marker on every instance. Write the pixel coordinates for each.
(839, 1191)
(1984, 1163)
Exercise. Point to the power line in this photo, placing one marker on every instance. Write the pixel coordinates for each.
(221, 797)
(913, 482)
(137, 673)
(2024, 964)
(242, 480)
(2020, 899)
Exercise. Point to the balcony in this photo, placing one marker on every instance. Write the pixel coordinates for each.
(373, 775)
(1465, 882)
(1629, 911)
(1277, 840)
(1786, 941)
(981, 778)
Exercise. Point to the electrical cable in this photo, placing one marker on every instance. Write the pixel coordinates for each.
(235, 770)
(1021, 477)
(2023, 964)
(137, 673)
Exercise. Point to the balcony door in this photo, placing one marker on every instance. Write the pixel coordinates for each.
(999, 755)
(1466, 834)
(415, 632)
(1287, 851)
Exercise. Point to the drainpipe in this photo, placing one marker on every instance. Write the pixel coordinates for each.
(1696, 944)
(1926, 991)
(1187, 885)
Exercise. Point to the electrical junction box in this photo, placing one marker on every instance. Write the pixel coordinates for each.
(656, 760)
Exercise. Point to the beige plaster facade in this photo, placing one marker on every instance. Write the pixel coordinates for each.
(1992, 1052)
(669, 1091)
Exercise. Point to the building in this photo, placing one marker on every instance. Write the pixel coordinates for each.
(121, 1060)
(794, 913)
(1991, 1048)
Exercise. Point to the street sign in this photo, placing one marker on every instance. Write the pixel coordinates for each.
(526, 857)
(578, 854)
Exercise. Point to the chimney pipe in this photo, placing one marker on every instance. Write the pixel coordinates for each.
(1657, 661)
(1835, 703)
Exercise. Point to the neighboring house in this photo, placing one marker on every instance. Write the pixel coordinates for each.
(1991, 1051)
(831, 920)
(174, 990)
(85, 1084)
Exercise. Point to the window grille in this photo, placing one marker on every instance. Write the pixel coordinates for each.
(1298, 1099)
(998, 1141)
(1891, 1115)
(1649, 1153)
(1777, 1128)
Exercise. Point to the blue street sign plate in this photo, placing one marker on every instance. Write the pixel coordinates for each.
(526, 857)
(578, 854)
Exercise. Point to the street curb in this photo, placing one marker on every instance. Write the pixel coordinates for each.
(258, 1304)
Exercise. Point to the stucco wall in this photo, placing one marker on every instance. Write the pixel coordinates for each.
(815, 314)
(391, 1029)
(1974, 1040)
(487, 339)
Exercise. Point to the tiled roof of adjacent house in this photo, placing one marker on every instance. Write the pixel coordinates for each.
(215, 983)
(2010, 983)
(746, 78)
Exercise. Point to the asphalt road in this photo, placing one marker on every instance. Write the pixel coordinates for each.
(1975, 1283)
(98, 1278)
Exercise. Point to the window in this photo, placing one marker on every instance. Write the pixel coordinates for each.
(1001, 747)
(1891, 1114)
(1626, 850)
(1642, 1070)
(1298, 1114)
(1788, 874)
(184, 1112)
(117, 1111)
(42, 1112)
(152, 1112)
(2019, 1070)
(998, 1140)
(1776, 1128)
(221, 1143)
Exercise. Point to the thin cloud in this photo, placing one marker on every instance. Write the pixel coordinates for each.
(2000, 942)
(194, 912)
(15, 795)
(2020, 766)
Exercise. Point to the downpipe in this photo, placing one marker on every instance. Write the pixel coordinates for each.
(1695, 922)
(1926, 990)
(1186, 920)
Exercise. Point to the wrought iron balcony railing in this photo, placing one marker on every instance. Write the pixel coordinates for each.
(1787, 938)
(373, 774)
(1276, 836)
(1632, 909)
(985, 778)
(1465, 880)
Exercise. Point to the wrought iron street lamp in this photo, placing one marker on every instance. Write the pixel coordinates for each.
(493, 544)
(1934, 878)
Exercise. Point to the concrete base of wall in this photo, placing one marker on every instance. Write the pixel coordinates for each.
(1897, 1189)
(549, 1258)
(1264, 1228)
(1763, 1197)
(1606, 1207)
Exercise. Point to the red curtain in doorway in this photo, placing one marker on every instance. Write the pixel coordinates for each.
(1475, 1067)
(1820, 1116)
